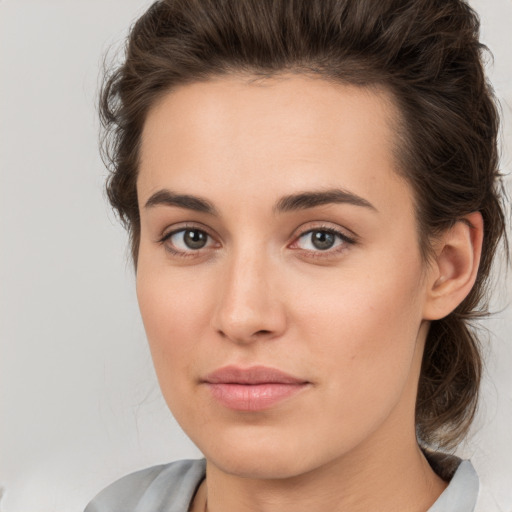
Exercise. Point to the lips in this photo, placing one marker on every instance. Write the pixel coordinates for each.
(252, 389)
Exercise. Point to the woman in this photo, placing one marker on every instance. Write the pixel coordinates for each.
(311, 192)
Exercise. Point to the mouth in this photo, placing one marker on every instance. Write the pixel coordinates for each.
(252, 389)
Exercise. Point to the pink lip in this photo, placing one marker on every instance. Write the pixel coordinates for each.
(252, 389)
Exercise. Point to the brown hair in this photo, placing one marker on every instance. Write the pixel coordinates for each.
(425, 52)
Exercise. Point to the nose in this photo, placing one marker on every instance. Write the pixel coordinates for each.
(249, 305)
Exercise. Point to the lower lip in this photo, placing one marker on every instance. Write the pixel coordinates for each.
(253, 397)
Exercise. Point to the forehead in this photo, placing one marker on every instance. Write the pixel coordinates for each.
(283, 106)
(286, 132)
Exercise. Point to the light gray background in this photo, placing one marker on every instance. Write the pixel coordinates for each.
(79, 404)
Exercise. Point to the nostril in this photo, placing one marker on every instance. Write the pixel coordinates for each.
(262, 332)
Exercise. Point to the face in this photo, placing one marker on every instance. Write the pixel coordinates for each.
(279, 274)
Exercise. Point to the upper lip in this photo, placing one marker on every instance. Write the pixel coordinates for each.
(252, 375)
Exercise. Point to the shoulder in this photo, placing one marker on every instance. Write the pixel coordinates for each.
(172, 485)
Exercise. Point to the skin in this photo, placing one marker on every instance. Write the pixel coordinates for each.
(351, 320)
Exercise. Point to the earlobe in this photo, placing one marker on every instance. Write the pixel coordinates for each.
(454, 268)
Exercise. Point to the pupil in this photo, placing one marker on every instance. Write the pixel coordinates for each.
(195, 239)
(323, 240)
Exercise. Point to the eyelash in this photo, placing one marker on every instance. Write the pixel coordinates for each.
(342, 237)
(183, 229)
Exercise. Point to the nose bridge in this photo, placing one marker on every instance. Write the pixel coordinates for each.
(248, 307)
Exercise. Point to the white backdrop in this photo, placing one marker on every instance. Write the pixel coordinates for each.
(79, 404)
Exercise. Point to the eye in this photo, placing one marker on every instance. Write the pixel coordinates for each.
(187, 240)
(322, 240)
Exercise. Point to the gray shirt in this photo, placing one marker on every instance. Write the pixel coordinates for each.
(171, 487)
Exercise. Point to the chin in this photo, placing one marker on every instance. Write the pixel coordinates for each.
(263, 455)
(260, 466)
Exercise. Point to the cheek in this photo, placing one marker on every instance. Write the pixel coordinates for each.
(175, 314)
(364, 332)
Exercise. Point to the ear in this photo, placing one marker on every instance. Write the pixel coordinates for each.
(453, 271)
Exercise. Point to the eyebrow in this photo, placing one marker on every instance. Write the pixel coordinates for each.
(167, 198)
(293, 202)
(305, 200)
